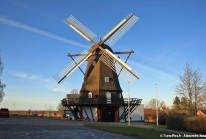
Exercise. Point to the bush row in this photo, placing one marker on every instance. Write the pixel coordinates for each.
(195, 124)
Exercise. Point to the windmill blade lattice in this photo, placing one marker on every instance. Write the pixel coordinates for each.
(72, 66)
(116, 67)
(73, 22)
(122, 30)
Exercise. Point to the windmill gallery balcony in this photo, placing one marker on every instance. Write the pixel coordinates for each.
(96, 101)
(87, 106)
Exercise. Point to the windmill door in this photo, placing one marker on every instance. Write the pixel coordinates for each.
(108, 115)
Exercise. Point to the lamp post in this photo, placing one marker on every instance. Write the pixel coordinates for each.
(128, 104)
(45, 109)
(156, 104)
(13, 107)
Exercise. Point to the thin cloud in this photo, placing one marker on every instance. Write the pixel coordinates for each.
(61, 89)
(47, 83)
(38, 31)
(20, 74)
(156, 71)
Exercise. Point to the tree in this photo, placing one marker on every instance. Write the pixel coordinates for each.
(152, 112)
(191, 87)
(74, 91)
(184, 103)
(179, 107)
(152, 104)
(2, 86)
(176, 103)
(49, 110)
(60, 109)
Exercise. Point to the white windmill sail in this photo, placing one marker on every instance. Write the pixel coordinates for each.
(117, 65)
(59, 77)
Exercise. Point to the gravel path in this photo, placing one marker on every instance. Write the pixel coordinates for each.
(17, 127)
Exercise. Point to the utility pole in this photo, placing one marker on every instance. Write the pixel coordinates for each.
(156, 104)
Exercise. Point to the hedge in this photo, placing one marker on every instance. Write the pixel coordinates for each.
(162, 121)
(195, 124)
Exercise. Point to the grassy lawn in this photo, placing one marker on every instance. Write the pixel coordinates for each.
(141, 133)
(155, 125)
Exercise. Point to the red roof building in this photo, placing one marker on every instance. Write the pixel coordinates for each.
(201, 113)
(149, 115)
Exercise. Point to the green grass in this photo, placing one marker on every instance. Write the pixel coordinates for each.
(152, 124)
(140, 133)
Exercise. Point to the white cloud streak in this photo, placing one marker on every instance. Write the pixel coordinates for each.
(41, 32)
(156, 71)
(20, 74)
(61, 89)
(47, 83)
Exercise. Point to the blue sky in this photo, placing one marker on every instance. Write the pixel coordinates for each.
(35, 42)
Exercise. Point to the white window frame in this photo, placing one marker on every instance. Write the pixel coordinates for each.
(90, 95)
(106, 79)
(108, 96)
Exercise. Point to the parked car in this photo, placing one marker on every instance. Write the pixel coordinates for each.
(4, 112)
(68, 114)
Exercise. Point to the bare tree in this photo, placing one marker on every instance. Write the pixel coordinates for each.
(60, 109)
(2, 86)
(152, 104)
(74, 91)
(191, 86)
(49, 110)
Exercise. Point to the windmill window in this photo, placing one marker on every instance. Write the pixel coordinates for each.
(120, 95)
(89, 95)
(93, 63)
(106, 79)
(108, 94)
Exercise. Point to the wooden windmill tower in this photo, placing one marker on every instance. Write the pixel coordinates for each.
(100, 97)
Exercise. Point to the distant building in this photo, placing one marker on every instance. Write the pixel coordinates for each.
(163, 108)
(149, 115)
(201, 113)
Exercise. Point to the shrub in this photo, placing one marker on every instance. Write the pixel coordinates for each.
(162, 118)
(162, 121)
(176, 122)
(195, 124)
(178, 112)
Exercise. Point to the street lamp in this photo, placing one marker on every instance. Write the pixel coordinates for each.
(45, 109)
(156, 104)
(128, 104)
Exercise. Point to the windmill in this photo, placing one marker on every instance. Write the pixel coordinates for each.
(101, 93)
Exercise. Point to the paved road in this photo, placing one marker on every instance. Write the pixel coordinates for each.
(17, 127)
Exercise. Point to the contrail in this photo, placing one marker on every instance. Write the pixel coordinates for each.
(156, 71)
(38, 31)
